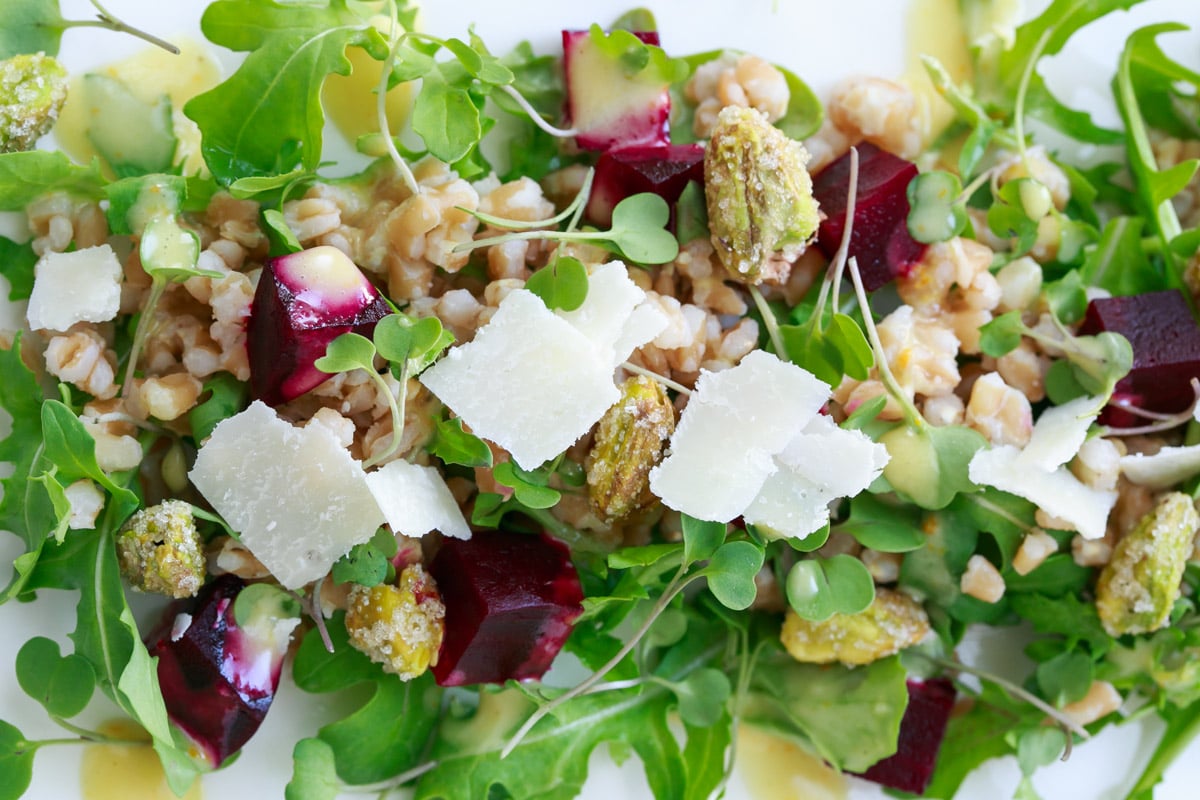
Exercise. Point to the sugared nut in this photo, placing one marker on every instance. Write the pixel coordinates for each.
(891, 623)
(1090, 552)
(1035, 548)
(628, 444)
(982, 580)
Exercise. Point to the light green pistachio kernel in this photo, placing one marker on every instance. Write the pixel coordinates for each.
(1140, 584)
(761, 209)
(33, 88)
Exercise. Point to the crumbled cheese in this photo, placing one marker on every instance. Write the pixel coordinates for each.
(615, 316)
(80, 286)
(415, 500)
(822, 463)
(296, 496)
(529, 381)
(740, 429)
(1168, 467)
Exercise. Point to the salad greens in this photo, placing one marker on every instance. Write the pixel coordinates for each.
(679, 633)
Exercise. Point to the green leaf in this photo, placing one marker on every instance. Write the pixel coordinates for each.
(929, 465)
(644, 555)
(527, 493)
(364, 565)
(1068, 616)
(937, 212)
(291, 49)
(16, 264)
(701, 538)
(62, 684)
(1066, 297)
(26, 176)
(702, 696)
(971, 738)
(638, 229)
(849, 716)
(16, 762)
(453, 445)
(883, 526)
(170, 252)
(634, 20)
(857, 358)
(1119, 263)
(347, 352)
(1065, 678)
(226, 397)
(30, 26)
(731, 572)
(446, 119)
(129, 200)
(263, 601)
(1039, 747)
(314, 774)
(818, 588)
(705, 755)
(283, 240)
(562, 284)
(1002, 334)
(70, 447)
(865, 414)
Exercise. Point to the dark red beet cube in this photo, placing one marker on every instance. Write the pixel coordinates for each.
(880, 239)
(218, 680)
(511, 599)
(1166, 350)
(663, 169)
(921, 731)
(606, 105)
(303, 302)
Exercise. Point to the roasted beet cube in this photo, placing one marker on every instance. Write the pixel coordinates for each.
(921, 731)
(880, 239)
(511, 600)
(608, 106)
(303, 302)
(1166, 350)
(218, 679)
(663, 169)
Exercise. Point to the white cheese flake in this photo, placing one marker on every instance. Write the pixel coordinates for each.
(1167, 467)
(296, 496)
(615, 316)
(1059, 433)
(415, 500)
(80, 286)
(529, 381)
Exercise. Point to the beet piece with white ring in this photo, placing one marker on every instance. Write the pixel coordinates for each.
(303, 302)
(511, 601)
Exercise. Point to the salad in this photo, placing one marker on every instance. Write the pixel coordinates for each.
(756, 433)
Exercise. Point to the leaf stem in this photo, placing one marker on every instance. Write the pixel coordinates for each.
(673, 588)
(397, 406)
(109, 21)
(158, 285)
(535, 117)
(573, 211)
(843, 252)
(406, 173)
(772, 324)
(629, 366)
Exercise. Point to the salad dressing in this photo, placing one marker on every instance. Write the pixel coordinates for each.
(935, 28)
(148, 75)
(126, 772)
(773, 768)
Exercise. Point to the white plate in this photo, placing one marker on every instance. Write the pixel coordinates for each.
(820, 41)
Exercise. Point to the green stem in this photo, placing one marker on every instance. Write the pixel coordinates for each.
(158, 285)
(769, 321)
(111, 22)
(1179, 734)
(406, 173)
(1022, 90)
(667, 382)
(397, 406)
(574, 211)
(673, 588)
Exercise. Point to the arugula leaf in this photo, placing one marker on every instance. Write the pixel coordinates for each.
(453, 445)
(30, 26)
(226, 397)
(971, 738)
(851, 717)
(28, 175)
(387, 734)
(70, 447)
(1067, 616)
(446, 118)
(16, 264)
(292, 48)
(1119, 263)
(314, 774)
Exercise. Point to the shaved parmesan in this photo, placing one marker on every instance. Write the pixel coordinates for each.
(1057, 492)
(615, 315)
(298, 499)
(81, 286)
(734, 424)
(1059, 433)
(415, 500)
(1167, 467)
(529, 381)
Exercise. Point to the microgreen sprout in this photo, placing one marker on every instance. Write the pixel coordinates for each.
(106, 19)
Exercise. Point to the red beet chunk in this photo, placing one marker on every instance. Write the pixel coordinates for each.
(608, 107)
(1166, 350)
(511, 600)
(663, 169)
(921, 731)
(303, 302)
(880, 239)
(217, 679)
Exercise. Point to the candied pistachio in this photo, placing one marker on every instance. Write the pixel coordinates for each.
(891, 623)
(629, 442)
(33, 88)
(159, 550)
(1141, 582)
(761, 209)
(399, 626)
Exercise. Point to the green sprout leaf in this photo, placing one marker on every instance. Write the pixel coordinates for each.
(453, 445)
(263, 599)
(446, 118)
(883, 526)
(526, 489)
(169, 252)
(314, 772)
(937, 210)
(562, 284)
(16, 762)
(702, 696)
(62, 684)
(701, 538)
(347, 352)
(818, 588)
(1008, 218)
(1065, 678)
(1002, 334)
(283, 239)
(638, 229)
(929, 465)
(731, 572)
